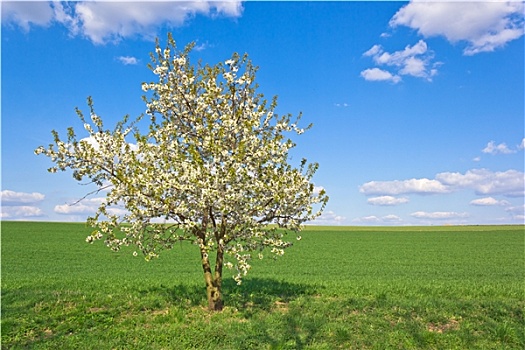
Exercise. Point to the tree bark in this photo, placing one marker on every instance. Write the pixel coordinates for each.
(213, 282)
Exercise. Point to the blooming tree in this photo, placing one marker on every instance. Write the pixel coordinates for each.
(212, 168)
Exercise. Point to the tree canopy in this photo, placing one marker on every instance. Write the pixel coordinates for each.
(213, 168)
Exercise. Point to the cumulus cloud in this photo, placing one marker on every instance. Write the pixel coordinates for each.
(128, 60)
(25, 14)
(397, 187)
(85, 206)
(502, 148)
(69, 209)
(520, 218)
(493, 148)
(391, 218)
(489, 201)
(439, 215)
(13, 198)
(373, 51)
(517, 213)
(22, 211)
(329, 218)
(202, 46)
(372, 219)
(485, 182)
(103, 22)
(17, 205)
(367, 219)
(413, 60)
(521, 146)
(318, 189)
(93, 142)
(516, 210)
(376, 74)
(484, 26)
(387, 200)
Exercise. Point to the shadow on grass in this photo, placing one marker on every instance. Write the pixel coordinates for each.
(264, 293)
(253, 294)
(276, 320)
(266, 305)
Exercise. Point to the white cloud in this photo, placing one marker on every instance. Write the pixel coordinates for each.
(318, 189)
(103, 22)
(23, 211)
(439, 215)
(509, 183)
(91, 141)
(372, 219)
(25, 14)
(17, 205)
(485, 26)
(518, 210)
(329, 218)
(13, 198)
(128, 60)
(387, 200)
(517, 213)
(396, 187)
(85, 206)
(64, 14)
(521, 146)
(367, 219)
(374, 51)
(502, 148)
(391, 218)
(520, 218)
(489, 201)
(376, 74)
(69, 209)
(231, 8)
(96, 145)
(412, 60)
(398, 58)
(485, 182)
(202, 46)
(117, 211)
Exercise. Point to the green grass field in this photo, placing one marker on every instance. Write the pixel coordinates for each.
(337, 288)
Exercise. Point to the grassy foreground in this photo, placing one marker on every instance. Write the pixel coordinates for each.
(337, 288)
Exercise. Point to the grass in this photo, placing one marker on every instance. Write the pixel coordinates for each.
(337, 288)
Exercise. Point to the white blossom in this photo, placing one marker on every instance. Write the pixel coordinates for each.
(213, 163)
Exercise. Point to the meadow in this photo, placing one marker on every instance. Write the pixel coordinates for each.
(337, 288)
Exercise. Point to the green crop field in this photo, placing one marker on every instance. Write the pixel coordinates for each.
(337, 288)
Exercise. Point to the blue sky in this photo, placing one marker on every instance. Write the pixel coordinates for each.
(418, 108)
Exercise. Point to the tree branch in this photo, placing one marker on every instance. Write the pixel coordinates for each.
(90, 193)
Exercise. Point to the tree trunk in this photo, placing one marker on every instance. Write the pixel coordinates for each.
(213, 282)
(213, 291)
